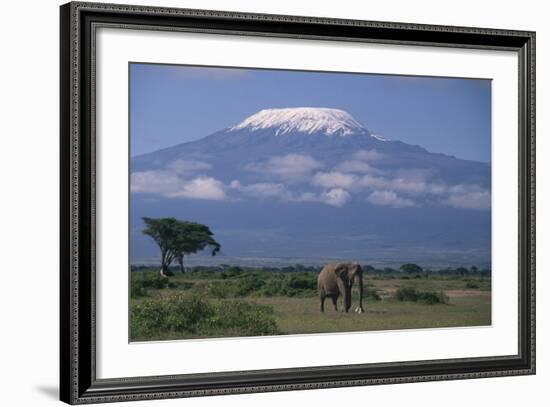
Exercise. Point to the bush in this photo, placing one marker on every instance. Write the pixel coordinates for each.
(137, 290)
(431, 297)
(245, 318)
(157, 317)
(427, 297)
(302, 281)
(142, 281)
(241, 287)
(248, 284)
(406, 294)
(471, 284)
(220, 290)
(372, 294)
(172, 314)
(273, 287)
(261, 283)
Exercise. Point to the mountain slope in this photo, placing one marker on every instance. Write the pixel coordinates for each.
(314, 181)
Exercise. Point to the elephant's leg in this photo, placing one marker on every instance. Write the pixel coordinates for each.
(335, 302)
(322, 298)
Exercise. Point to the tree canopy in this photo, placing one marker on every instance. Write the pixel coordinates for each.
(411, 268)
(177, 238)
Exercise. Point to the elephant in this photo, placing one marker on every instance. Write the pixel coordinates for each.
(337, 278)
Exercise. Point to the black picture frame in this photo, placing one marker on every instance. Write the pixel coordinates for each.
(78, 382)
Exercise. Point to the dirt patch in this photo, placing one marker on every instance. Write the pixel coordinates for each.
(468, 293)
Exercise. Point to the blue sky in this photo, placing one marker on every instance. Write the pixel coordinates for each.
(172, 104)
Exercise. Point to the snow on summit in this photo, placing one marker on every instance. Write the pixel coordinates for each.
(303, 119)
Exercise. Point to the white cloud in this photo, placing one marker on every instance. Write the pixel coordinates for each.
(336, 197)
(335, 179)
(156, 181)
(374, 182)
(415, 186)
(290, 166)
(359, 162)
(404, 189)
(468, 197)
(413, 182)
(207, 188)
(169, 184)
(389, 198)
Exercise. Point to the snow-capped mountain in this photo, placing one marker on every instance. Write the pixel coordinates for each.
(303, 120)
(299, 181)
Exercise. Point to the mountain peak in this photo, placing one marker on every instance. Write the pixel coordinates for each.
(304, 120)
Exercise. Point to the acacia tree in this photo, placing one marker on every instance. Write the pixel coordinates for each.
(411, 268)
(192, 237)
(177, 238)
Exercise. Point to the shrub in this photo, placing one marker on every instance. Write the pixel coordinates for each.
(432, 297)
(185, 285)
(220, 290)
(471, 284)
(302, 281)
(137, 290)
(143, 281)
(246, 318)
(261, 283)
(272, 287)
(406, 294)
(427, 297)
(233, 272)
(248, 284)
(171, 314)
(150, 279)
(372, 294)
(202, 272)
(156, 317)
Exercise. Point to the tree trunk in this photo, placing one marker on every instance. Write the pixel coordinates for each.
(165, 261)
(180, 262)
(162, 270)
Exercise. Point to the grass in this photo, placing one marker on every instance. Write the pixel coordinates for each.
(254, 302)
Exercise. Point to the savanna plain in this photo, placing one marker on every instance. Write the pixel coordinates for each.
(226, 301)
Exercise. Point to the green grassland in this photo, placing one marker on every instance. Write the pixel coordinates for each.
(205, 303)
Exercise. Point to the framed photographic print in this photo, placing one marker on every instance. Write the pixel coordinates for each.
(255, 203)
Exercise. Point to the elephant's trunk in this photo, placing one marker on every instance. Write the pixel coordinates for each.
(347, 298)
(360, 281)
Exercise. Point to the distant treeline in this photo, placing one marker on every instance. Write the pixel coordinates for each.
(407, 269)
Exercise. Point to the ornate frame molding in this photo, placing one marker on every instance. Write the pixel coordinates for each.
(77, 176)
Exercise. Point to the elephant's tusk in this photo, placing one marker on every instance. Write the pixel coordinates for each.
(358, 310)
